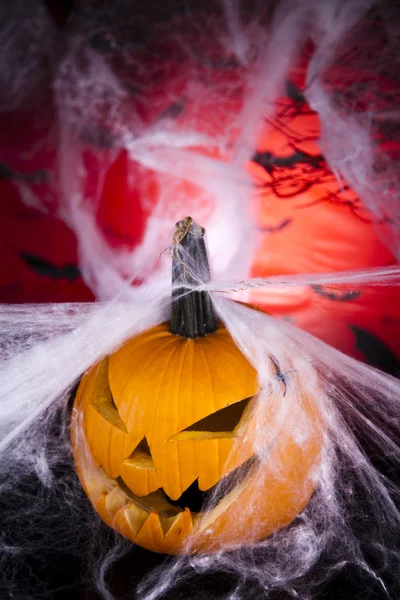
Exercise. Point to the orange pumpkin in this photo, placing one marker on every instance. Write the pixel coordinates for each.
(175, 408)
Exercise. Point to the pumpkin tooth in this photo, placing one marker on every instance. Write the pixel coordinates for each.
(178, 528)
(151, 531)
(100, 506)
(129, 520)
(174, 490)
(115, 500)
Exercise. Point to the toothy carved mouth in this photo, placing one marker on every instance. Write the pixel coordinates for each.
(192, 498)
(158, 512)
(197, 500)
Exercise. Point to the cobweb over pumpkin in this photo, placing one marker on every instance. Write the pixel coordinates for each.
(356, 483)
(45, 349)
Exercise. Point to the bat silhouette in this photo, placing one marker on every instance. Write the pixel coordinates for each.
(47, 269)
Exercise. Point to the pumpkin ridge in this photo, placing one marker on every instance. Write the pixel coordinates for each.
(228, 352)
(157, 404)
(177, 396)
(216, 442)
(143, 338)
(192, 447)
(228, 341)
(210, 375)
(143, 364)
(121, 355)
(135, 344)
(111, 433)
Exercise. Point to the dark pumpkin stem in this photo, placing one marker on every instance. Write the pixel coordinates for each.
(193, 313)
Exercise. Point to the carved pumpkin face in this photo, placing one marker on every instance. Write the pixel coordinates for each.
(165, 413)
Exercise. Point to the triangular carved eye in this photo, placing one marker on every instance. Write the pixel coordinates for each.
(222, 423)
(103, 401)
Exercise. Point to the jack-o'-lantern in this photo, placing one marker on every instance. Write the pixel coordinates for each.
(173, 410)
